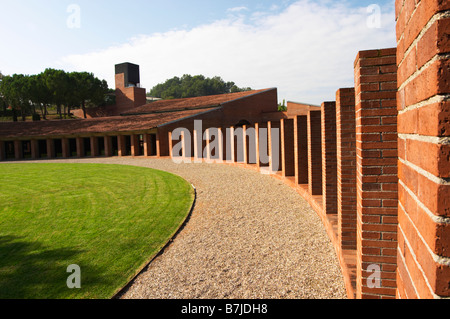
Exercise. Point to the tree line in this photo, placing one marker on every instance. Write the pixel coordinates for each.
(27, 95)
(193, 86)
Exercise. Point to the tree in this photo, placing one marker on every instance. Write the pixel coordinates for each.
(282, 106)
(28, 93)
(57, 83)
(87, 90)
(2, 99)
(15, 91)
(192, 86)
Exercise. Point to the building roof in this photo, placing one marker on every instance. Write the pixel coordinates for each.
(132, 123)
(142, 118)
(201, 102)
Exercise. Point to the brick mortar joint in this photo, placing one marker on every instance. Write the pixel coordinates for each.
(445, 261)
(412, 77)
(434, 18)
(434, 99)
(434, 218)
(412, 251)
(441, 140)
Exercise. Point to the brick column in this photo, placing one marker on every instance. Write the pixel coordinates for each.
(80, 147)
(221, 145)
(245, 147)
(262, 145)
(314, 153)
(51, 153)
(329, 159)
(170, 144)
(162, 142)
(65, 148)
(274, 136)
(158, 144)
(108, 146)
(34, 149)
(2, 151)
(231, 145)
(424, 149)
(147, 145)
(377, 189)
(257, 141)
(121, 145)
(135, 145)
(301, 149)
(18, 152)
(346, 167)
(94, 146)
(287, 147)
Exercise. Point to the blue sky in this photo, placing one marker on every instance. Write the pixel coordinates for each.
(304, 47)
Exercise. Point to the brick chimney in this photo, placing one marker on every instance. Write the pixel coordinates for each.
(129, 94)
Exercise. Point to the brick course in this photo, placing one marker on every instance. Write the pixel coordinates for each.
(424, 151)
(376, 151)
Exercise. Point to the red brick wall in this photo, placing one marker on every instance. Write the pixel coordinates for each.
(128, 97)
(314, 153)
(346, 167)
(287, 147)
(423, 35)
(376, 148)
(301, 149)
(329, 158)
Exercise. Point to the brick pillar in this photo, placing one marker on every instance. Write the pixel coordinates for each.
(301, 149)
(34, 149)
(2, 151)
(197, 140)
(274, 137)
(121, 145)
(148, 146)
(162, 141)
(94, 146)
(329, 159)
(18, 152)
(377, 189)
(257, 141)
(424, 149)
(108, 146)
(158, 144)
(287, 147)
(135, 145)
(262, 144)
(80, 147)
(346, 167)
(314, 153)
(51, 153)
(231, 146)
(245, 145)
(170, 144)
(221, 145)
(65, 148)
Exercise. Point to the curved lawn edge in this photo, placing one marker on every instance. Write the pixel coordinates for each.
(160, 251)
(131, 270)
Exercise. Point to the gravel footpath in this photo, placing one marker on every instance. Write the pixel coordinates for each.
(250, 237)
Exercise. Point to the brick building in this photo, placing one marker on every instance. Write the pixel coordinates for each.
(131, 127)
(374, 164)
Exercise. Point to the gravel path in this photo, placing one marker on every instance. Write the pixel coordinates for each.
(250, 237)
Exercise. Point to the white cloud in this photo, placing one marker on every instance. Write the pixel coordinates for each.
(237, 9)
(307, 51)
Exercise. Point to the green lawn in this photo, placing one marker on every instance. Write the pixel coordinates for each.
(108, 219)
